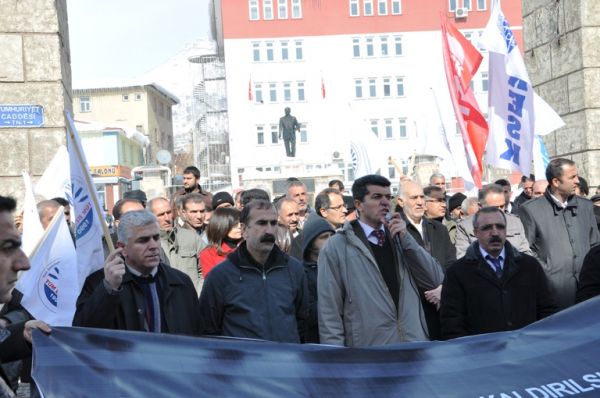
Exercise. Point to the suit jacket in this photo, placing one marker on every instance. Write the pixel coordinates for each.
(99, 308)
(475, 300)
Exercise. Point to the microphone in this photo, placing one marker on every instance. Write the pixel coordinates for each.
(388, 217)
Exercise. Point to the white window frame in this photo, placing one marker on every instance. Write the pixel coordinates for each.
(485, 82)
(397, 3)
(282, 10)
(369, 4)
(398, 42)
(303, 133)
(260, 133)
(387, 82)
(468, 4)
(268, 10)
(370, 45)
(372, 87)
(383, 3)
(270, 50)
(358, 89)
(258, 93)
(125, 97)
(272, 92)
(85, 103)
(375, 127)
(285, 51)
(253, 6)
(287, 92)
(256, 51)
(452, 5)
(391, 172)
(138, 97)
(300, 91)
(355, 47)
(479, 3)
(400, 83)
(274, 134)
(299, 46)
(388, 125)
(296, 9)
(356, 5)
(384, 46)
(402, 126)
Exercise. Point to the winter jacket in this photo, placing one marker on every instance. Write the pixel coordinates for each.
(355, 306)
(475, 300)
(242, 298)
(182, 247)
(560, 239)
(589, 278)
(209, 257)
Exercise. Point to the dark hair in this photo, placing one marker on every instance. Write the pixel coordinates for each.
(117, 210)
(359, 188)
(223, 219)
(254, 194)
(430, 189)
(322, 200)
(336, 182)
(7, 203)
(193, 197)
(294, 183)
(503, 182)
(192, 170)
(487, 189)
(555, 168)
(487, 210)
(583, 186)
(258, 204)
(61, 201)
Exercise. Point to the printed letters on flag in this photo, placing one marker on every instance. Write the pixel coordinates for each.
(513, 106)
(461, 61)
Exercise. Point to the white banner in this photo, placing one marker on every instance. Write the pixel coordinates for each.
(32, 226)
(56, 180)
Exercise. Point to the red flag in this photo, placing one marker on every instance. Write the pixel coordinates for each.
(322, 88)
(250, 89)
(461, 61)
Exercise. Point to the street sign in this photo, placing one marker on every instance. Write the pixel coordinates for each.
(21, 116)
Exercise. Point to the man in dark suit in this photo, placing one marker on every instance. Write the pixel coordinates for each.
(493, 287)
(135, 291)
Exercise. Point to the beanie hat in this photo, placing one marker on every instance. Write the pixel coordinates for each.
(456, 201)
(313, 227)
(221, 197)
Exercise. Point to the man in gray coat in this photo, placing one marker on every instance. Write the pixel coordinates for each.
(492, 195)
(370, 273)
(561, 229)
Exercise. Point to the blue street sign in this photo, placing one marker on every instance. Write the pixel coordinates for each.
(21, 116)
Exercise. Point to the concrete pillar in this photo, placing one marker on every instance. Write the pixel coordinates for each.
(35, 70)
(563, 58)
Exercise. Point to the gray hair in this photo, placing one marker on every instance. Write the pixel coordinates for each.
(487, 210)
(436, 175)
(283, 201)
(294, 183)
(487, 189)
(468, 202)
(46, 204)
(151, 202)
(131, 220)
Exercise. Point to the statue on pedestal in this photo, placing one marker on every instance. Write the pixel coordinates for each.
(288, 125)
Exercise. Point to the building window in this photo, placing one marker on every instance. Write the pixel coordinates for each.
(384, 46)
(452, 5)
(285, 54)
(273, 92)
(253, 6)
(282, 9)
(354, 8)
(260, 135)
(258, 95)
(303, 133)
(375, 127)
(481, 6)
(472, 85)
(85, 104)
(300, 91)
(402, 122)
(358, 91)
(368, 7)
(299, 54)
(467, 4)
(391, 172)
(398, 45)
(274, 134)
(296, 9)
(400, 86)
(387, 87)
(125, 97)
(268, 9)
(270, 55)
(356, 47)
(468, 36)
(372, 88)
(370, 51)
(256, 52)
(484, 82)
(287, 92)
(396, 7)
(138, 97)
(382, 7)
(389, 131)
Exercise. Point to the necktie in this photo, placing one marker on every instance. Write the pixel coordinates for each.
(497, 265)
(380, 235)
(152, 305)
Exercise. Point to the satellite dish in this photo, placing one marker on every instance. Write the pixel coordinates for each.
(163, 156)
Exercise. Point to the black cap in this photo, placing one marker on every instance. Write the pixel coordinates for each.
(456, 201)
(221, 197)
(595, 198)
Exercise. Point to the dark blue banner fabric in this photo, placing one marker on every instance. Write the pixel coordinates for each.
(557, 357)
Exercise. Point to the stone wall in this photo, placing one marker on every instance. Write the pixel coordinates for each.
(562, 54)
(35, 70)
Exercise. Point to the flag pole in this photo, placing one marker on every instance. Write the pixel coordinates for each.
(56, 216)
(89, 183)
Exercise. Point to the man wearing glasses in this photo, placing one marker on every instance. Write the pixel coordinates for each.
(435, 203)
(329, 204)
(492, 195)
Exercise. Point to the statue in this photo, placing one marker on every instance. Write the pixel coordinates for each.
(288, 125)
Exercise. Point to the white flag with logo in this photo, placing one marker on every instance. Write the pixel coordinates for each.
(50, 288)
(88, 230)
(56, 180)
(32, 226)
(516, 113)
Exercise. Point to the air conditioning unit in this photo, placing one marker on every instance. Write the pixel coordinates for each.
(461, 13)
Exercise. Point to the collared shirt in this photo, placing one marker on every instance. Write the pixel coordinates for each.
(558, 202)
(418, 227)
(368, 230)
(137, 273)
(501, 257)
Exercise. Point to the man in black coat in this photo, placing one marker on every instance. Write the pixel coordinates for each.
(493, 287)
(589, 278)
(135, 291)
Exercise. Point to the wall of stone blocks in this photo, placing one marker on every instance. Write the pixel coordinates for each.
(35, 70)
(563, 59)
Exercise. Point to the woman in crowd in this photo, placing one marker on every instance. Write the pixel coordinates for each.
(224, 233)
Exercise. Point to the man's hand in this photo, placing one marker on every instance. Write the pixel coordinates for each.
(396, 225)
(35, 324)
(114, 269)
(434, 296)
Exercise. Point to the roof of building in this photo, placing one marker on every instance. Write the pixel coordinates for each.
(119, 85)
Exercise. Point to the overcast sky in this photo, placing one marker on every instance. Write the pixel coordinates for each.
(120, 39)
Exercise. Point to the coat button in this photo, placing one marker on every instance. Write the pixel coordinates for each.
(140, 311)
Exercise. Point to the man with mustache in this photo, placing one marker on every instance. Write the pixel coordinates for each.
(494, 287)
(259, 291)
(135, 290)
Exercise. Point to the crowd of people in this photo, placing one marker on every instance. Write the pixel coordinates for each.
(353, 270)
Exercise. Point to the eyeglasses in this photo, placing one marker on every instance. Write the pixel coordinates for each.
(337, 208)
